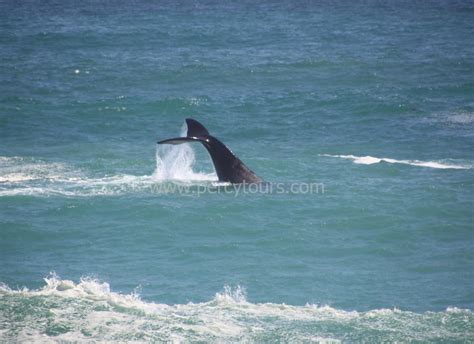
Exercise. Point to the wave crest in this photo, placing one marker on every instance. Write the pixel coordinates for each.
(369, 160)
(89, 310)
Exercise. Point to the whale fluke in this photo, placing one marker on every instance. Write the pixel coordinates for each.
(195, 128)
(229, 168)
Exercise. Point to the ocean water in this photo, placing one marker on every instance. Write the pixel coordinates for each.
(358, 115)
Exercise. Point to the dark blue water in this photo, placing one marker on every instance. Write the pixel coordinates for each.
(359, 115)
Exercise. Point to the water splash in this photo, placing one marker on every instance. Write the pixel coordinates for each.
(176, 162)
(237, 294)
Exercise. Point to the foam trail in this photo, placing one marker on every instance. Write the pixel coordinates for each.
(26, 176)
(369, 160)
(21, 169)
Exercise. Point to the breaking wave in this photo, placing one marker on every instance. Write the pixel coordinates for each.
(369, 160)
(66, 311)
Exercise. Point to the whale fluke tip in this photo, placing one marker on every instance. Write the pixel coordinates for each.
(195, 129)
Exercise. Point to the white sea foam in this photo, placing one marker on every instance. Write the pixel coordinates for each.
(89, 310)
(369, 160)
(34, 177)
(20, 169)
(72, 185)
(450, 118)
(462, 118)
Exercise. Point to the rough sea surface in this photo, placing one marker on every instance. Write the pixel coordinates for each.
(358, 115)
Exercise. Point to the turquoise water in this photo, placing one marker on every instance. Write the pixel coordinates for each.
(104, 236)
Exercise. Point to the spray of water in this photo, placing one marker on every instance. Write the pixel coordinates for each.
(175, 162)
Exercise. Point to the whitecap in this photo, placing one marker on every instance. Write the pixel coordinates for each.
(462, 118)
(369, 160)
(90, 311)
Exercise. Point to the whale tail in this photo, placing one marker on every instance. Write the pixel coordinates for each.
(228, 167)
(196, 132)
(196, 129)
